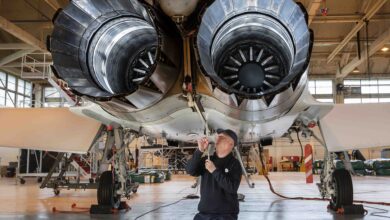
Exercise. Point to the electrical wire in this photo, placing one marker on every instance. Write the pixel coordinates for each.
(381, 211)
(300, 144)
(188, 197)
(160, 207)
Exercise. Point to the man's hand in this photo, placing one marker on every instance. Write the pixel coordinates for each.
(210, 166)
(203, 144)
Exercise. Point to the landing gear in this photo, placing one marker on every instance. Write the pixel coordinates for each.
(116, 183)
(107, 190)
(335, 184)
(343, 189)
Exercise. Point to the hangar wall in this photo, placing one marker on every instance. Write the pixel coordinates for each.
(8, 155)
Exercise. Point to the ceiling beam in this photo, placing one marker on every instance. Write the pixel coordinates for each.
(12, 70)
(346, 55)
(12, 64)
(21, 34)
(34, 24)
(314, 6)
(342, 19)
(15, 46)
(375, 47)
(371, 12)
(14, 56)
(53, 4)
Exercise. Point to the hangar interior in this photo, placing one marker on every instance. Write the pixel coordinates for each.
(349, 65)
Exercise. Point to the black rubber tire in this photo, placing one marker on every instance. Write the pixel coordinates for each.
(106, 191)
(22, 181)
(344, 189)
(39, 180)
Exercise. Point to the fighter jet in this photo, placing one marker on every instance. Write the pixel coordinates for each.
(180, 69)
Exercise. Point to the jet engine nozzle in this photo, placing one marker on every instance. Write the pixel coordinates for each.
(254, 48)
(117, 52)
(123, 54)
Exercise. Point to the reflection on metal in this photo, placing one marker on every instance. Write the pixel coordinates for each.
(178, 7)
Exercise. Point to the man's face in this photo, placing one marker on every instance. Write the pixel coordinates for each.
(224, 143)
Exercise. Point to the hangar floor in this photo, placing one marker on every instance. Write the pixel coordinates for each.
(28, 201)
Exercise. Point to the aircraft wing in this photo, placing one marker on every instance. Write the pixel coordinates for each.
(356, 126)
(51, 129)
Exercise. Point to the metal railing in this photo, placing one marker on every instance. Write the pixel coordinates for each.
(36, 66)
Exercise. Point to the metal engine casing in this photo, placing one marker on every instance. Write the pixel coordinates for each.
(114, 52)
(256, 30)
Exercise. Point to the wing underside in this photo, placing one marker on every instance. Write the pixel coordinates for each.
(51, 129)
(356, 126)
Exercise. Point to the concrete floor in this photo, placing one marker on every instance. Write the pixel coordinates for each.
(29, 202)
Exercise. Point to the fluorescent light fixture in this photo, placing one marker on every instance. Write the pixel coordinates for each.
(385, 49)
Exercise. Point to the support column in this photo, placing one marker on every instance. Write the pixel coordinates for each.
(37, 96)
(338, 95)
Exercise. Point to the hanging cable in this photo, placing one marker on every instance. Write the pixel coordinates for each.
(300, 144)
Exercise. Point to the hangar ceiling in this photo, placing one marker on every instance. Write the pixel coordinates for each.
(25, 25)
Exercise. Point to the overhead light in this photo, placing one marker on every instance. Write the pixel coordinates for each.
(385, 49)
(356, 70)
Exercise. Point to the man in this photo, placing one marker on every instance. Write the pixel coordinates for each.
(221, 177)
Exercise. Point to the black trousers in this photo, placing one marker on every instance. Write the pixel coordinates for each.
(203, 216)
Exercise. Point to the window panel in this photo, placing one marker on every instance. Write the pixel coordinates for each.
(352, 101)
(321, 87)
(52, 104)
(11, 83)
(20, 101)
(10, 99)
(27, 102)
(352, 82)
(384, 82)
(28, 89)
(20, 86)
(369, 82)
(384, 100)
(51, 92)
(2, 97)
(369, 89)
(324, 91)
(325, 100)
(3, 78)
(384, 89)
(370, 100)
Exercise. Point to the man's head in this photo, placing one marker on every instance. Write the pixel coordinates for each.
(225, 142)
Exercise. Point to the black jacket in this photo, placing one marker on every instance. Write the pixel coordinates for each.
(218, 191)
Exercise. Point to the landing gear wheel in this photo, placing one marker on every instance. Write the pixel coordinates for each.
(40, 179)
(56, 192)
(22, 181)
(343, 189)
(106, 193)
